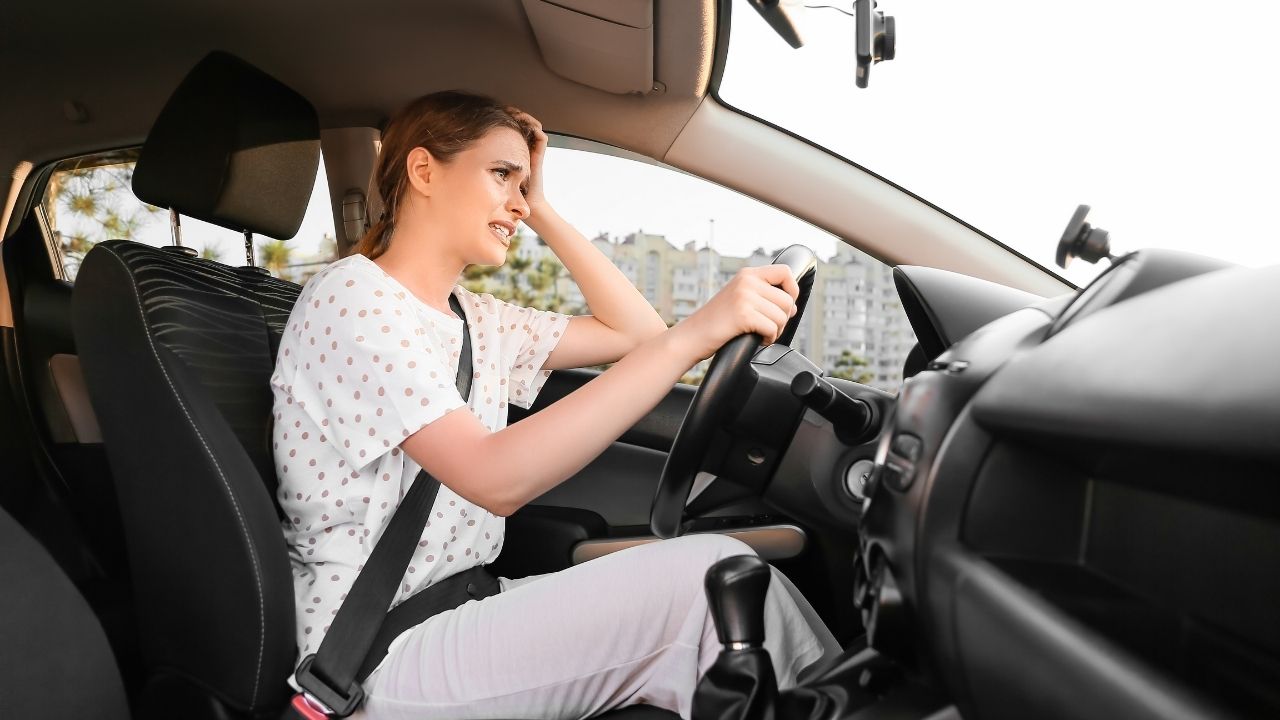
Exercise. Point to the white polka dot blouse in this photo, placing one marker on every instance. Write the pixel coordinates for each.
(362, 365)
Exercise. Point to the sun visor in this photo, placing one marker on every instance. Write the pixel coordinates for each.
(234, 147)
(606, 44)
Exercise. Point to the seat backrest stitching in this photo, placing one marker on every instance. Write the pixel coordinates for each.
(257, 572)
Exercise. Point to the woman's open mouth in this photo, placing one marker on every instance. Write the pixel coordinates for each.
(502, 232)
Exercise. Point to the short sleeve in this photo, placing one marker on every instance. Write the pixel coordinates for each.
(528, 337)
(363, 367)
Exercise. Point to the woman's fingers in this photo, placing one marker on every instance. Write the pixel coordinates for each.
(765, 325)
(527, 119)
(781, 276)
(780, 298)
(776, 318)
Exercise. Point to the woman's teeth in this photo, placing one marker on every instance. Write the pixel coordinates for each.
(501, 232)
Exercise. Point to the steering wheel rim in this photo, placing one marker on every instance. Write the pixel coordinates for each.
(711, 401)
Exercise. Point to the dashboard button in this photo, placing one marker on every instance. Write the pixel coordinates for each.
(907, 446)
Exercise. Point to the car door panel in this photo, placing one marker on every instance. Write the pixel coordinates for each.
(47, 382)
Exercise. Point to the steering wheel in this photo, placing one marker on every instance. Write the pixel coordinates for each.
(706, 413)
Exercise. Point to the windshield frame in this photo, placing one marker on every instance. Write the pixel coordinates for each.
(718, 64)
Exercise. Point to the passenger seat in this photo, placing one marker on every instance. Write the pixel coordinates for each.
(55, 662)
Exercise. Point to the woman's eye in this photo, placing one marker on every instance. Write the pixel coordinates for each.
(502, 172)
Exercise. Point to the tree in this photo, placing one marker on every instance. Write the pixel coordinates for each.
(521, 280)
(211, 251)
(274, 255)
(86, 204)
(851, 367)
(480, 278)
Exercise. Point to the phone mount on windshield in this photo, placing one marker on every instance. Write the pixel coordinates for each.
(1082, 240)
(875, 34)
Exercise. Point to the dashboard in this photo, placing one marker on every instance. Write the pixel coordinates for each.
(1073, 510)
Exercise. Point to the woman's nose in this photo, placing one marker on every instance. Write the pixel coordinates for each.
(517, 205)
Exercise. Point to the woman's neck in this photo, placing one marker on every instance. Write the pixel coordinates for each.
(430, 276)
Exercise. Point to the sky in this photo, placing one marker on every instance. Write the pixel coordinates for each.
(1160, 115)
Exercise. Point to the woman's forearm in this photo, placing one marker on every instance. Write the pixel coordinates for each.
(568, 434)
(611, 297)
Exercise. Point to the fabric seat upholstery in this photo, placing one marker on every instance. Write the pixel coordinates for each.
(177, 354)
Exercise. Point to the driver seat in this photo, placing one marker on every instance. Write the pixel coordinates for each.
(177, 353)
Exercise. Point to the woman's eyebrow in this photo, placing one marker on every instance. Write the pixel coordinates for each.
(513, 167)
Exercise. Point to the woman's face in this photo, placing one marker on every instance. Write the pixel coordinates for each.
(477, 198)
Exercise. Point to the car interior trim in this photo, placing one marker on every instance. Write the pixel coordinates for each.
(771, 542)
(68, 380)
(604, 44)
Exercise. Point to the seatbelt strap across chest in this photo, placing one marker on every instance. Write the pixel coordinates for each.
(328, 677)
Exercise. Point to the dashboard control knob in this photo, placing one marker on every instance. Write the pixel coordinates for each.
(907, 446)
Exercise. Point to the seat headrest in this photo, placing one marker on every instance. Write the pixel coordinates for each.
(234, 147)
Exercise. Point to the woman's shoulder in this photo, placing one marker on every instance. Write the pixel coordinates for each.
(353, 279)
(346, 272)
(489, 304)
(351, 294)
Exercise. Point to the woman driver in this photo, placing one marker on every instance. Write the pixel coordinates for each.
(365, 395)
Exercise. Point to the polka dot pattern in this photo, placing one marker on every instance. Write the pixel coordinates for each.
(362, 365)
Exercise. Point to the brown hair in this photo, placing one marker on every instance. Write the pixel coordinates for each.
(445, 123)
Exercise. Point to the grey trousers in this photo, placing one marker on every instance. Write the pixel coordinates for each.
(627, 628)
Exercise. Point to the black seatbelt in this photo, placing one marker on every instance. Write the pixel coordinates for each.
(331, 674)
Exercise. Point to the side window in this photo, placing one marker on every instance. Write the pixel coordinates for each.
(90, 199)
(679, 239)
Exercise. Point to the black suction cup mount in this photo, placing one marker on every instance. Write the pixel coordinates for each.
(1082, 240)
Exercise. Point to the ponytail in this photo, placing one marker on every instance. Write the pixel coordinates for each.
(376, 239)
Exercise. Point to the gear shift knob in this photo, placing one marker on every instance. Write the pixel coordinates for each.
(736, 588)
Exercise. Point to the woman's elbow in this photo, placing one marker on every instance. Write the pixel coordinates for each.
(649, 331)
(491, 497)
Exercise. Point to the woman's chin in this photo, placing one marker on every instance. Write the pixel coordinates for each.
(492, 261)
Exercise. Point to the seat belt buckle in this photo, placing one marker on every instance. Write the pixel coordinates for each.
(319, 700)
(308, 708)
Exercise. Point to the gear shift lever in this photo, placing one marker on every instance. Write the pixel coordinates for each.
(741, 684)
(736, 588)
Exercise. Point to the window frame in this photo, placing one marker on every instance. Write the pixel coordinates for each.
(36, 203)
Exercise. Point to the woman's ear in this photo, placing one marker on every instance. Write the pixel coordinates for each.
(419, 165)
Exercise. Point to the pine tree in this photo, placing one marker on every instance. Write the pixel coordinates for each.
(87, 204)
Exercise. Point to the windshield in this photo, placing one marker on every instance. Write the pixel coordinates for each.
(1159, 115)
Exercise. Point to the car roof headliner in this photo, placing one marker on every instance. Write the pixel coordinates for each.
(356, 63)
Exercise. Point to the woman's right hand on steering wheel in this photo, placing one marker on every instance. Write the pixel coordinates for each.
(757, 300)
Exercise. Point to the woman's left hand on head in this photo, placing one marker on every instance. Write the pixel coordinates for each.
(534, 196)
